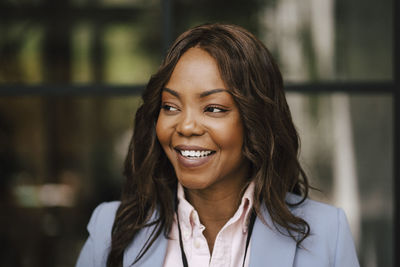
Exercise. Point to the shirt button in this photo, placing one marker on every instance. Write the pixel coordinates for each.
(186, 234)
(194, 217)
(197, 243)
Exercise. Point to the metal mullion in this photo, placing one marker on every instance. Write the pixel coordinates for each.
(375, 87)
(166, 24)
(71, 89)
(105, 89)
(69, 13)
(396, 165)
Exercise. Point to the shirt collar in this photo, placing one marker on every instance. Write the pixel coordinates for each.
(188, 216)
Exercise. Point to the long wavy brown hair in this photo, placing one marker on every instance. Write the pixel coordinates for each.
(271, 143)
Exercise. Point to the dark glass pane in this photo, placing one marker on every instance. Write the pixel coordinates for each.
(318, 40)
(59, 158)
(119, 41)
(84, 42)
(347, 151)
(364, 40)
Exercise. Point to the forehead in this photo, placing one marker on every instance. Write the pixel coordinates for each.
(196, 69)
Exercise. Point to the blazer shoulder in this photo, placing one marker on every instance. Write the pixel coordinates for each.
(102, 218)
(321, 217)
(99, 228)
(96, 248)
(312, 210)
(330, 234)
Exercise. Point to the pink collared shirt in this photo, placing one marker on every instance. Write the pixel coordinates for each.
(229, 245)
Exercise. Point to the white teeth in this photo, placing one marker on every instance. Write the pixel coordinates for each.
(195, 153)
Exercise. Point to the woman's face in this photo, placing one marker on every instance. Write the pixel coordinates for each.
(199, 125)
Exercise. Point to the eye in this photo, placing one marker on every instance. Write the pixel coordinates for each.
(168, 108)
(215, 109)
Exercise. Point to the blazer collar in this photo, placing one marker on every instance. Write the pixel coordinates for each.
(154, 256)
(268, 245)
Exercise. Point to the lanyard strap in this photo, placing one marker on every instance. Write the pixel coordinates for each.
(250, 231)
(184, 259)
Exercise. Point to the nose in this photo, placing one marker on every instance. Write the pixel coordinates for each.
(190, 124)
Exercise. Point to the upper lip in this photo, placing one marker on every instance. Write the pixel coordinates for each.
(187, 147)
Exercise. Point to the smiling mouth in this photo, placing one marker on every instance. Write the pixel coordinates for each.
(195, 154)
(190, 157)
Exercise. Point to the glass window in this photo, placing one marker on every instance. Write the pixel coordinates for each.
(59, 158)
(80, 42)
(318, 40)
(120, 42)
(347, 151)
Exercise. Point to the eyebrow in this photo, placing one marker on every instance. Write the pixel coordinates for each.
(202, 95)
(213, 91)
(172, 92)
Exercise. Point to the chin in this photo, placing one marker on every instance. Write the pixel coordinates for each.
(193, 184)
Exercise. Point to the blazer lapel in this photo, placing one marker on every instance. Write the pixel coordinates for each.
(269, 247)
(154, 256)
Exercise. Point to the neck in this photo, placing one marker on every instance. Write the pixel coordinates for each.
(215, 207)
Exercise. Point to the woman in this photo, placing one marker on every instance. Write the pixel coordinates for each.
(212, 172)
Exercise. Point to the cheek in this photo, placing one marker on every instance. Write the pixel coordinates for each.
(229, 136)
(161, 131)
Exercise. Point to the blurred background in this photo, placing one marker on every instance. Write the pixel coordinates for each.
(71, 74)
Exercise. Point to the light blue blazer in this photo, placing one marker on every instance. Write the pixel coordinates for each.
(330, 243)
